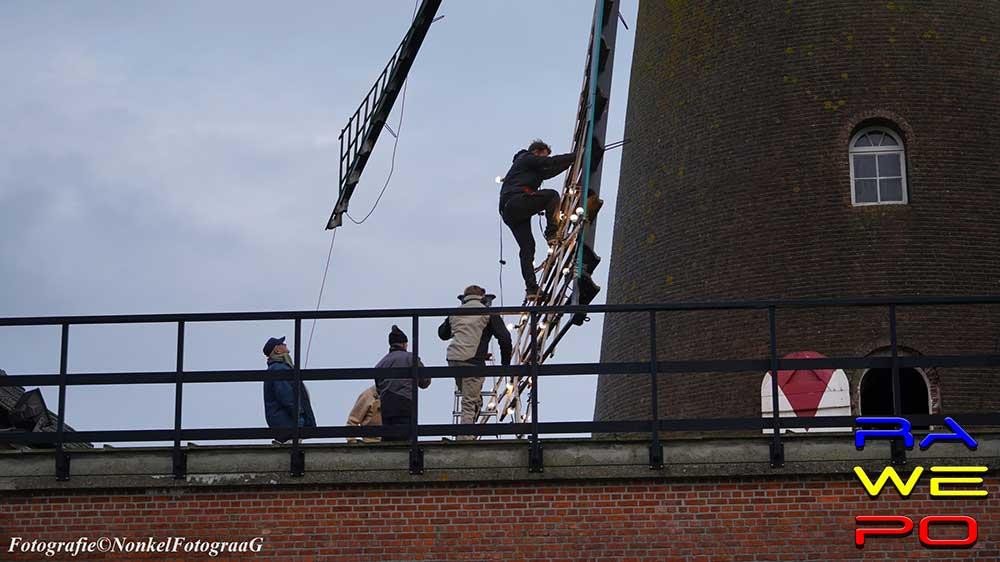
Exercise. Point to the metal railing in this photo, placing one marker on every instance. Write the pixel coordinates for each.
(655, 367)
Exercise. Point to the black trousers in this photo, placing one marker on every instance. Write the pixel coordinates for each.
(517, 213)
(396, 411)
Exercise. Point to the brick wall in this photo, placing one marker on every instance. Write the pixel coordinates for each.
(745, 519)
(736, 186)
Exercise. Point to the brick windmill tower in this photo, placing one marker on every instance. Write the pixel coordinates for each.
(788, 150)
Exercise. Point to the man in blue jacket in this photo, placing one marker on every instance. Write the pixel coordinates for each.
(521, 199)
(279, 396)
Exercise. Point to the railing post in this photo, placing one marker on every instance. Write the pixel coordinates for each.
(416, 453)
(179, 456)
(62, 459)
(535, 463)
(298, 459)
(655, 448)
(896, 448)
(777, 447)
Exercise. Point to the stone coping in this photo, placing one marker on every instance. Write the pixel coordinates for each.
(487, 461)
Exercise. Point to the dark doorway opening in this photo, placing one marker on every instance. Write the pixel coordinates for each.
(876, 393)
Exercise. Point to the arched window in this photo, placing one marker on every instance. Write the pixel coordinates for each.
(878, 167)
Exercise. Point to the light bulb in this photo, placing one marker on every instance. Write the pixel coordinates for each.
(499, 179)
(565, 271)
(553, 250)
(572, 192)
(574, 218)
(579, 210)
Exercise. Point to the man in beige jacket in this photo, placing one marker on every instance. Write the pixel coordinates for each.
(367, 410)
(470, 342)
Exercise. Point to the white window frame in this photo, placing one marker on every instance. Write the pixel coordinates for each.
(898, 149)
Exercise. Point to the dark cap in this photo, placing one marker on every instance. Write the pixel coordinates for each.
(271, 344)
(396, 336)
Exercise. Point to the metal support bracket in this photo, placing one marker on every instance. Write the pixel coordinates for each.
(298, 462)
(416, 460)
(62, 466)
(180, 463)
(535, 463)
(898, 452)
(656, 456)
(777, 454)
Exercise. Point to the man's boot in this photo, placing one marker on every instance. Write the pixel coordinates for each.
(551, 234)
(535, 295)
(594, 204)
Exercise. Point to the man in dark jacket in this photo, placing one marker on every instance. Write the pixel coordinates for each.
(521, 199)
(470, 343)
(396, 395)
(279, 396)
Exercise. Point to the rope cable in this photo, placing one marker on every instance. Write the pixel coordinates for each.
(319, 300)
(501, 260)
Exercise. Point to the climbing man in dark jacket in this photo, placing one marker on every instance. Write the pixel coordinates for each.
(396, 395)
(521, 199)
(470, 342)
(279, 396)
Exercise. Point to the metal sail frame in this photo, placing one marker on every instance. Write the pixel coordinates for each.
(358, 137)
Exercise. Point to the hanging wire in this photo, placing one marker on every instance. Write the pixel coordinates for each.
(502, 261)
(322, 285)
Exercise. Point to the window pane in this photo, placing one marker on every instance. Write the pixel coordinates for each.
(887, 140)
(866, 191)
(876, 138)
(888, 165)
(864, 166)
(892, 189)
(863, 141)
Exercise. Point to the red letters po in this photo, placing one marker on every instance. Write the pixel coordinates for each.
(904, 526)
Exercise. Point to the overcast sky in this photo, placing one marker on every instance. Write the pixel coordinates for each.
(160, 157)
